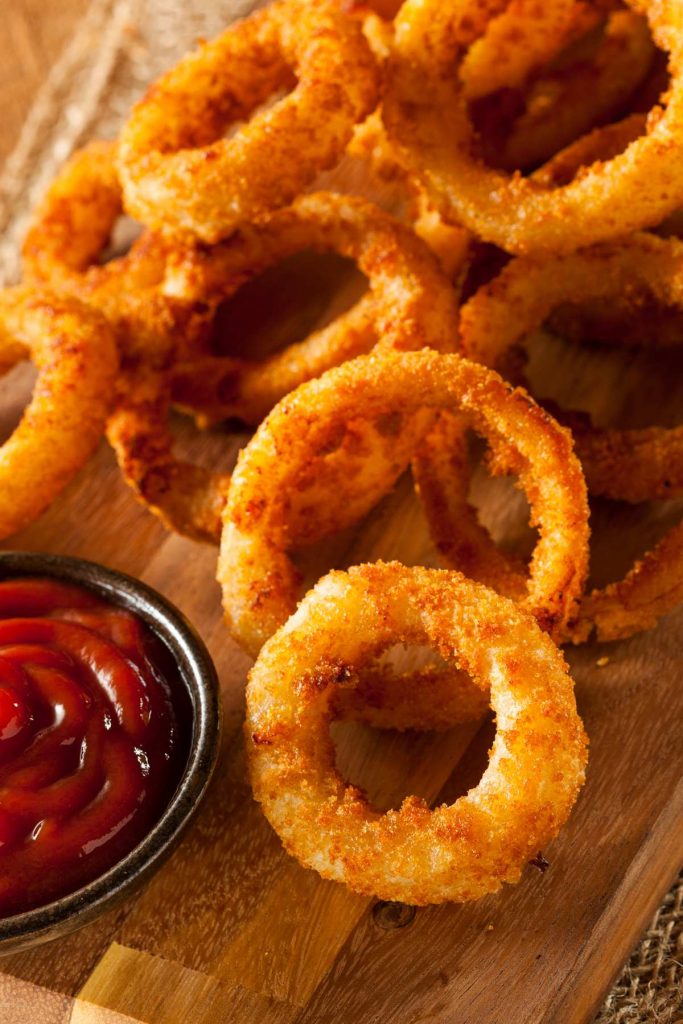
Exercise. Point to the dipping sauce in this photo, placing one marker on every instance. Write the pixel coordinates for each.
(90, 748)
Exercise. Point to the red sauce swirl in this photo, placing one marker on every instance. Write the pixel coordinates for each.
(90, 752)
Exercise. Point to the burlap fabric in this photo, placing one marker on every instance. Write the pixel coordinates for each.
(122, 45)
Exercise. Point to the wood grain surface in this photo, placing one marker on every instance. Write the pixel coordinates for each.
(231, 929)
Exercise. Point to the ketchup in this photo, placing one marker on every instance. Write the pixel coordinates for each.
(90, 750)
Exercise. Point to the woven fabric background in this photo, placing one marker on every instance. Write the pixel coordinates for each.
(120, 47)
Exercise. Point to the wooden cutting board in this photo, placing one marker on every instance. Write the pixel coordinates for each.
(231, 929)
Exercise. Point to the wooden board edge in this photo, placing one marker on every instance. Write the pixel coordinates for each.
(648, 878)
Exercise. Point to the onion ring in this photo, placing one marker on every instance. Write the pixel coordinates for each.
(260, 583)
(181, 177)
(620, 64)
(410, 304)
(74, 351)
(632, 319)
(450, 242)
(459, 852)
(68, 235)
(563, 104)
(162, 336)
(74, 220)
(653, 587)
(636, 189)
(628, 465)
(70, 229)
(515, 42)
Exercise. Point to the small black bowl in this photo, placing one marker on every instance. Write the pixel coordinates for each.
(198, 676)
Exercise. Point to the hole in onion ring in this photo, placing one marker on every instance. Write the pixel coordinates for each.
(637, 387)
(124, 233)
(16, 388)
(365, 753)
(366, 758)
(281, 306)
(636, 319)
(473, 763)
(614, 549)
(600, 77)
(235, 127)
(502, 507)
(207, 447)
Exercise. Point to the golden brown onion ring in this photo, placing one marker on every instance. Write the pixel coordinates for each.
(556, 102)
(157, 330)
(631, 465)
(416, 854)
(260, 583)
(69, 232)
(410, 303)
(635, 318)
(627, 465)
(638, 188)
(525, 41)
(74, 352)
(73, 222)
(563, 104)
(67, 238)
(653, 587)
(182, 177)
(516, 41)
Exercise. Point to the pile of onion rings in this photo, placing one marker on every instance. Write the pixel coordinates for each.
(491, 167)
(162, 300)
(627, 465)
(260, 582)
